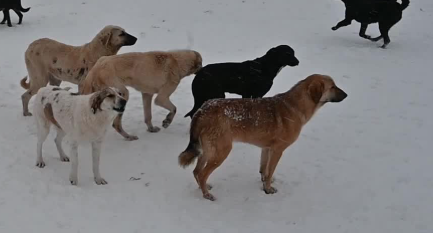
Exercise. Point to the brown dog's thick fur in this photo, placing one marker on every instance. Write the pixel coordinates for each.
(49, 61)
(272, 124)
(150, 73)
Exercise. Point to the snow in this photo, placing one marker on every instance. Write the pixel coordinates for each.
(362, 165)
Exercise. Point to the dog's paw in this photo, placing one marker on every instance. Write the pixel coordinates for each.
(383, 46)
(100, 181)
(40, 164)
(153, 129)
(131, 138)
(334, 28)
(270, 190)
(64, 159)
(166, 123)
(27, 114)
(73, 180)
(209, 196)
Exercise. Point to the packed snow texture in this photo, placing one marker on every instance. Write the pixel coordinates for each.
(362, 165)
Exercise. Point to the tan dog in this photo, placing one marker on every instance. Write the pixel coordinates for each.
(50, 61)
(272, 124)
(150, 73)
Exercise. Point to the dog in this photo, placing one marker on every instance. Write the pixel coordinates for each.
(49, 61)
(150, 73)
(250, 79)
(15, 5)
(82, 118)
(271, 123)
(385, 12)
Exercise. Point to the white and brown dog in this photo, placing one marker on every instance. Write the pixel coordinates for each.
(82, 118)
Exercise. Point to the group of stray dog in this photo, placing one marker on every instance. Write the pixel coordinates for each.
(102, 76)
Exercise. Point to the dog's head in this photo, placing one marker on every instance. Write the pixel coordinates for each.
(197, 63)
(108, 99)
(283, 55)
(115, 37)
(322, 89)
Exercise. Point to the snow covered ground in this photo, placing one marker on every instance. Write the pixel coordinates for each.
(363, 165)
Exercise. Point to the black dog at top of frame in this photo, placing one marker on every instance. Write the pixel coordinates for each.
(15, 5)
(385, 12)
(250, 79)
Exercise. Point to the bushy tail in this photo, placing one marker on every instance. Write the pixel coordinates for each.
(404, 4)
(24, 84)
(193, 150)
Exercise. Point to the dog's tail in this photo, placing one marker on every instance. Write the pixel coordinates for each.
(404, 4)
(193, 150)
(24, 84)
(24, 9)
(21, 7)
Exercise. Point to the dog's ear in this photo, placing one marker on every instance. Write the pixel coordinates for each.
(107, 39)
(97, 99)
(315, 89)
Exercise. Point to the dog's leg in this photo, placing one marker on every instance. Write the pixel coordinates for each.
(8, 17)
(58, 140)
(214, 161)
(342, 23)
(96, 154)
(73, 175)
(384, 30)
(362, 31)
(19, 15)
(25, 99)
(163, 100)
(43, 127)
(272, 164)
(147, 107)
(264, 159)
(117, 124)
(201, 162)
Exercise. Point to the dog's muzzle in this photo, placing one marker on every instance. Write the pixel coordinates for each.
(121, 108)
(130, 39)
(339, 96)
(294, 62)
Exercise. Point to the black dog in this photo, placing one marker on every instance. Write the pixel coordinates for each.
(385, 12)
(14, 5)
(250, 79)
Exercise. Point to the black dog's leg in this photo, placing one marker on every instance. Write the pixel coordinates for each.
(384, 29)
(19, 15)
(7, 17)
(342, 23)
(362, 31)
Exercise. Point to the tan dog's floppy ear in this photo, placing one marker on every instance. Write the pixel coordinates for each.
(97, 99)
(107, 39)
(315, 90)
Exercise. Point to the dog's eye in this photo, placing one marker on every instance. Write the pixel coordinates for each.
(122, 34)
(120, 93)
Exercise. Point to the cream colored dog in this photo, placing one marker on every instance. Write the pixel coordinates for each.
(149, 73)
(81, 118)
(50, 61)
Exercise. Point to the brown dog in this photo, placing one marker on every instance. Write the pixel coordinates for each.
(50, 61)
(272, 124)
(150, 73)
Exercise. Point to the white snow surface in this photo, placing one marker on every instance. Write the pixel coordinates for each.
(362, 165)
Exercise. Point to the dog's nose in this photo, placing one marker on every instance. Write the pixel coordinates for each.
(131, 39)
(122, 102)
(340, 95)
